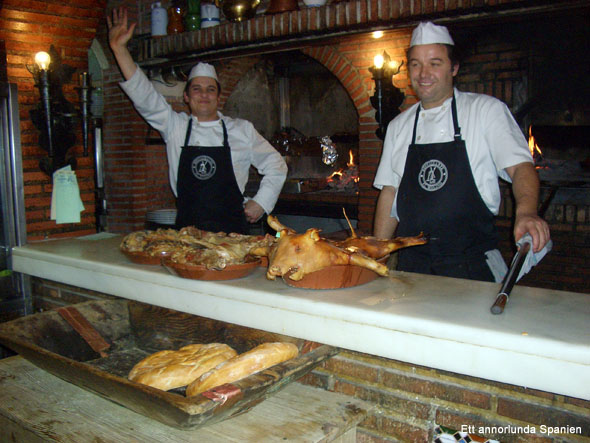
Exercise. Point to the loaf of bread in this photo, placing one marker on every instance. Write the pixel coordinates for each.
(172, 369)
(257, 359)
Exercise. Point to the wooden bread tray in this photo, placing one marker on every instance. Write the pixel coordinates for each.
(135, 330)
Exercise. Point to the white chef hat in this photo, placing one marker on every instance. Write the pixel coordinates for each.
(427, 33)
(203, 70)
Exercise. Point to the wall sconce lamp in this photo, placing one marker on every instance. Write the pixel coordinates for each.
(55, 116)
(387, 98)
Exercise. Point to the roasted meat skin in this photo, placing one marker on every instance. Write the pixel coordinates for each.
(376, 248)
(214, 250)
(296, 255)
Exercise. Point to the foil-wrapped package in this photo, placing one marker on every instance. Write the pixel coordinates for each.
(329, 152)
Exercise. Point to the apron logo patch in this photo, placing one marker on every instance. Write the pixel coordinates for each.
(203, 167)
(433, 175)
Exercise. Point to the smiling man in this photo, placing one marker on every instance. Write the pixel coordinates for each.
(209, 154)
(440, 165)
(202, 93)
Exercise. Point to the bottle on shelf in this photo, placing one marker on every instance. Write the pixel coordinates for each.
(159, 19)
(209, 14)
(176, 17)
(192, 19)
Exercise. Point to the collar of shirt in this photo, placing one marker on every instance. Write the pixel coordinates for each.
(443, 107)
(208, 123)
(436, 124)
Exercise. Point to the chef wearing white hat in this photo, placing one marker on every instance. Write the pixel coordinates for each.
(209, 154)
(203, 70)
(439, 170)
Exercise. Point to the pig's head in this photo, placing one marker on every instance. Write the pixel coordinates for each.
(291, 253)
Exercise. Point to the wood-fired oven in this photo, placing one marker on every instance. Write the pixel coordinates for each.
(310, 119)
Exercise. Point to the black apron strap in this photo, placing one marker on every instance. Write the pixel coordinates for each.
(225, 137)
(188, 131)
(416, 124)
(455, 119)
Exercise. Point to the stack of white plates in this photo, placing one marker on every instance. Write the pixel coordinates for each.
(162, 216)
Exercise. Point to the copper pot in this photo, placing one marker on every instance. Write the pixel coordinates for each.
(237, 10)
(277, 6)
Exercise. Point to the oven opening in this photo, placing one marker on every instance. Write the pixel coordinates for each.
(313, 123)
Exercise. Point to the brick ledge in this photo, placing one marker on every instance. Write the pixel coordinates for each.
(295, 28)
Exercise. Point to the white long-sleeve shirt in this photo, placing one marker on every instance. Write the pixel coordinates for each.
(493, 141)
(248, 147)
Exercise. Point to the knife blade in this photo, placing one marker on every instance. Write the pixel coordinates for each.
(510, 279)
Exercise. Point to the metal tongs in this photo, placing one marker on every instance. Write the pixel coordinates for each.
(510, 279)
(523, 261)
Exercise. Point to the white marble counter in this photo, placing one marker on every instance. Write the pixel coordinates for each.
(541, 341)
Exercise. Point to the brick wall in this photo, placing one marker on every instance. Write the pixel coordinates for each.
(27, 28)
(567, 266)
(412, 399)
(49, 295)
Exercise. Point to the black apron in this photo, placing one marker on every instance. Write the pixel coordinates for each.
(438, 196)
(208, 195)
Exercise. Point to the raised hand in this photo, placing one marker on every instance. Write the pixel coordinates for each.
(119, 35)
(119, 31)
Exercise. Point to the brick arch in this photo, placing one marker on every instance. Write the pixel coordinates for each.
(230, 73)
(349, 76)
(356, 82)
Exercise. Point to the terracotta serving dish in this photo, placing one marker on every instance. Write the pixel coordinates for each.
(135, 330)
(264, 262)
(335, 277)
(200, 272)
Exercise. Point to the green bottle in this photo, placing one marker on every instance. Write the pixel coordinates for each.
(192, 19)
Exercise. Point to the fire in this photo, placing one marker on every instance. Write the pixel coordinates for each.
(533, 147)
(350, 159)
(345, 178)
(334, 174)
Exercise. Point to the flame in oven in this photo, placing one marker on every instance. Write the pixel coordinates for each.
(533, 147)
(345, 178)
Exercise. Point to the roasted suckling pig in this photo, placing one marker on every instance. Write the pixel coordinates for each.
(219, 251)
(215, 250)
(295, 255)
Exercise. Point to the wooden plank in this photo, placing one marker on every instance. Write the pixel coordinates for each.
(37, 406)
(85, 329)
